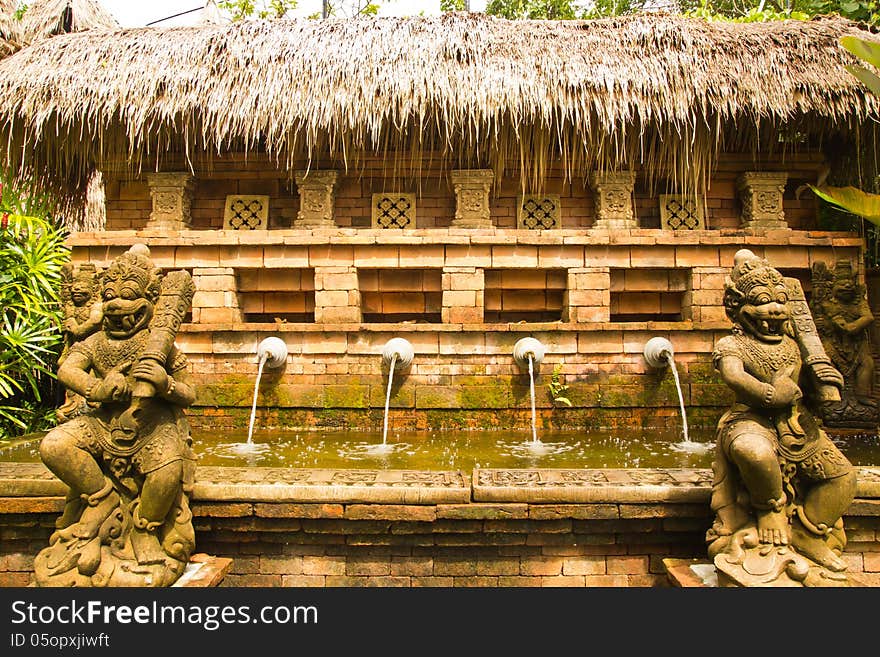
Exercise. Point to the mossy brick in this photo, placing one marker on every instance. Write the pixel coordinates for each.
(498, 566)
(436, 397)
(402, 397)
(489, 396)
(353, 396)
(289, 395)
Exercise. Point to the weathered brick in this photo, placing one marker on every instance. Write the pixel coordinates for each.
(283, 510)
(631, 565)
(222, 509)
(356, 565)
(584, 565)
(407, 512)
(409, 565)
(566, 581)
(454, 567)
(323, 565)
(541, 566)
(303, 581)
(574, 511)
(498, 566)
(482, 511)
(281, 565)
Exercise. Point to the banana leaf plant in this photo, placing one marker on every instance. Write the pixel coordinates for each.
(852, 199)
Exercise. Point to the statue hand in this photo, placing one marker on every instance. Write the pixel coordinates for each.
(151, 372)
(113, 387)
(70, 325)
(828, 374)
(785, 390)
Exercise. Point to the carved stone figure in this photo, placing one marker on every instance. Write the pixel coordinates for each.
(128, 460)
(83, 313)
(842, 314)
(780, 485)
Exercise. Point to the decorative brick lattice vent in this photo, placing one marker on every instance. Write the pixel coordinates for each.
(246, 213)
(679, 212)
(539, 212)
(394, 211)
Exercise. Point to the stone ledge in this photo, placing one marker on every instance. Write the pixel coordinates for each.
(587, 237)
(30, 483)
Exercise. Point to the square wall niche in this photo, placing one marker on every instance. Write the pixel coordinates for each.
(401, 295)
(267, 295)
(645, 295)
(524, 295)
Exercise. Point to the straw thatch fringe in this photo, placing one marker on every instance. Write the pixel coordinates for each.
(46, 18)
(664, 92)
(9, 28)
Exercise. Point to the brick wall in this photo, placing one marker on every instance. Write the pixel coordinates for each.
(446, 545)
(128, 201)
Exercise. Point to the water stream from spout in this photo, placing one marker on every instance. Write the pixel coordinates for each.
(684, 422)
(263, 357)
(535, 440)
(388, 398)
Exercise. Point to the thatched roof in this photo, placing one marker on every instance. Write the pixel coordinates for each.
(666, 90)
(45, 18)
(9, 27)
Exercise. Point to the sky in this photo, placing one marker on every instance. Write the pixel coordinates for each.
(132, 13)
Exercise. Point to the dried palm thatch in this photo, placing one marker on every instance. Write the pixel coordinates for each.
(45, 18)
(9, 28)
(662, 92)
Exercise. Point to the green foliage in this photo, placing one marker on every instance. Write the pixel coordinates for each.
(242, 9)
(349, 9)
(532, 9)
(32, 254)
(606, 8)
(453, 5)
(556, 388)
(750, 11)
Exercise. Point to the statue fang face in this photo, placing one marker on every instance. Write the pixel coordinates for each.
(126, 311)
(765, 312)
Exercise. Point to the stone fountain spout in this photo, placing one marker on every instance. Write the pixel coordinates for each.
(274, 351)
(398, 353)
(528, 354)
(658, 352)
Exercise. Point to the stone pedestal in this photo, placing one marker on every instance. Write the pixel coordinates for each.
(171, 194)
(614, 199)
(761, 195)
(316, 194)
(472, 197)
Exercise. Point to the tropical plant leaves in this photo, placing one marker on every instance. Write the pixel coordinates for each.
(852, 200)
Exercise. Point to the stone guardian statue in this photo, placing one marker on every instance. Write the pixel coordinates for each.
(128, 460)
(780, 484)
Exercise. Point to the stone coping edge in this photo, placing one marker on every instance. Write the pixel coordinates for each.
(423, 487)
